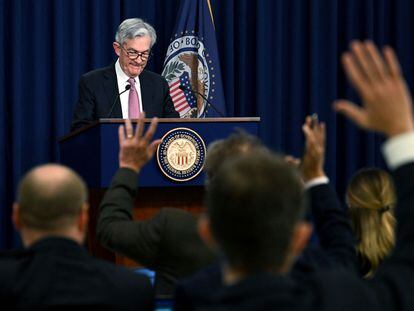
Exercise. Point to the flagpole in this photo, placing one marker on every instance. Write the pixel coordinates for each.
(211, 13)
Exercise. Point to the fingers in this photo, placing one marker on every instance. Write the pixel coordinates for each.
(121, 135)
(128, 129)
(351, 111)
(151, 130)
(353, 72)
(392, 62)
(377, 62)
(306, 128)
(153, 147)
(145, 140)
(295, 162)
(140, 126)
(367, 60)
(364, 65)
(322, 133)
(312, 129)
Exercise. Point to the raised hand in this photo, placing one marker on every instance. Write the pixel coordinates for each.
(314, 157)
(136, 148)
(387, 104)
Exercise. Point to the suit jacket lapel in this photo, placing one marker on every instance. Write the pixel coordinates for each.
(146, 92)
(111, 90)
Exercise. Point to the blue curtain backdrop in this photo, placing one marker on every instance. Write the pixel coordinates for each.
(279, 61)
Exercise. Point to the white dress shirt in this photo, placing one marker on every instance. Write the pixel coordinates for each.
(122, 80)
(399, 150)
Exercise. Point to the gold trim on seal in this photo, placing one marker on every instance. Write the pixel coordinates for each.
(181, 154)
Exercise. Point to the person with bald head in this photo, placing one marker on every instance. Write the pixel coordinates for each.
(54, 270)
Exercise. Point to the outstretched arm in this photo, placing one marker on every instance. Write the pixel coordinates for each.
(330, 219)
(116, 229)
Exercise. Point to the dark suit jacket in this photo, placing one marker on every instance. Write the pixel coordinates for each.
(57, 273)
(98, 90)
(391, 289)
(336, 250)
(168, 243)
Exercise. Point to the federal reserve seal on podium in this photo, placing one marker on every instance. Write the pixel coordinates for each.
(181, 154)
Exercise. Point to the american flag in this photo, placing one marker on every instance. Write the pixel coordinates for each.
(183, 100)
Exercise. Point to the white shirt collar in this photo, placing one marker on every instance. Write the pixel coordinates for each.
(122, 81)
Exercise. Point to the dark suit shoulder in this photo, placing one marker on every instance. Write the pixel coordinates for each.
(11, 260)
(14, 254)
(100, 72)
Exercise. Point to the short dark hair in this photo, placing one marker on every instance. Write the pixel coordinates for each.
(50, 201)
(239, 142)
(253, 204)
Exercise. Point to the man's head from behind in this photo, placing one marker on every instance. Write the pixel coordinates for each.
(236, 144)
(255, 204)
(51, 200)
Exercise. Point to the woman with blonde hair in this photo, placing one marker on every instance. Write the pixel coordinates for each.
(371, 199)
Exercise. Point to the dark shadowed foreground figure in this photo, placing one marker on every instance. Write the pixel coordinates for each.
(256, 261)
(336, 247)
(54, 271)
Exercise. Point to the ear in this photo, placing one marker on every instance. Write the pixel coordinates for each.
(16, 216)
(83, 218)
(301, 235)
(204, 230)
(117, 48)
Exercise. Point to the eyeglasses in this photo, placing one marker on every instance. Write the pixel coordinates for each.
(133, 55)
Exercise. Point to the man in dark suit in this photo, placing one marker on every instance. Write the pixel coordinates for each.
(167, 243)
(256, 261)
(142, 90)
(54, 271)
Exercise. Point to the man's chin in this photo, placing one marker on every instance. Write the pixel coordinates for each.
(135, 72)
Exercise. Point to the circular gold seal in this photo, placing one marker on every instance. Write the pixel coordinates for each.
(181, 154)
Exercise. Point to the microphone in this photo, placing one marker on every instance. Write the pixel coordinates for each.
(127, 87)
(209, 104)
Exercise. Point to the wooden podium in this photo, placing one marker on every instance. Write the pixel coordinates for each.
(93, 153)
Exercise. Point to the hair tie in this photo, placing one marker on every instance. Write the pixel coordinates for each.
(384, 209)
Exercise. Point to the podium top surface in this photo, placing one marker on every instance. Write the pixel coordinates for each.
(160, 120)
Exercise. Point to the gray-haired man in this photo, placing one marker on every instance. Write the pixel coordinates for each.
(141, 89)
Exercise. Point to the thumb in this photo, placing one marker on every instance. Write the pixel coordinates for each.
(153, 146)
(351, 111)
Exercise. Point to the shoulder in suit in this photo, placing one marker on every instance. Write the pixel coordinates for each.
(98, 91)
(57, 272)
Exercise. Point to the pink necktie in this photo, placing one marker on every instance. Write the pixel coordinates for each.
(133, 101)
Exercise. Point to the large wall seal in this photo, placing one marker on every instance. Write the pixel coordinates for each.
(189, 64)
